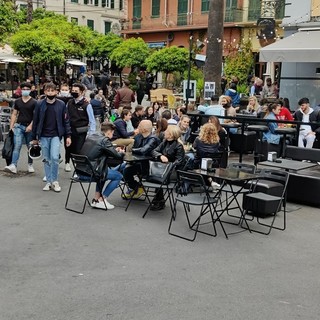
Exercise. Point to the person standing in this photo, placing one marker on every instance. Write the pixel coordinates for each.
(89, 81)
(82, 121)
(21, 124)
(50, 124)
(124, 96)
(141, 89)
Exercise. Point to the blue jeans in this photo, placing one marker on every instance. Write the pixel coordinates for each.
(20, 137)
(50, 151)
(114, 176)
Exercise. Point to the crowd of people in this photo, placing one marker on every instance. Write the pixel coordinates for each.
(89, 123)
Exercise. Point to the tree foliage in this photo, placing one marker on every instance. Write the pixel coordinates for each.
(130, 53)
(8, 20)
(51, 40)
(103, 45)
(240, 63)
(168, 60)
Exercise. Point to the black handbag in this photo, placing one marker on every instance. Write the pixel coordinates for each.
(8, 146)
(159, 172)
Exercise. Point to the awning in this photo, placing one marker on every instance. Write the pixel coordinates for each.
(76, 62)
(303, 46)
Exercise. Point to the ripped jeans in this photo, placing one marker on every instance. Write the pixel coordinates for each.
(50, 152)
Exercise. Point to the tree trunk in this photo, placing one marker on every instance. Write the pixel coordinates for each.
(213, 66)
(29, 10)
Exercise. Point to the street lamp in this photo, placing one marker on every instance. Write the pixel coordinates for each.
(201, 59)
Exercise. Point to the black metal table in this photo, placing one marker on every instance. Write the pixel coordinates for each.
(288, 165)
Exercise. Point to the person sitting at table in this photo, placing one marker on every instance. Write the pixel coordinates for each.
(253, 105)
(184, 126)
(307, 132)
(263, 108)
(144, 143)
(98, 147)
(271, 136)
(206, 144)
(221, 131)
(215, 108)
(233, 94)
(170, 150)
(149, 114)
(121, 136)
(284, 113)
(230, 111)
(161, 127)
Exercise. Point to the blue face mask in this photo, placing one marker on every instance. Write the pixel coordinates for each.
(25, 93)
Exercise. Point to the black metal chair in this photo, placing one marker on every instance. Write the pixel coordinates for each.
(232, 191)
(259, 130)
(84, 173)
(262, 205)
(207, 202)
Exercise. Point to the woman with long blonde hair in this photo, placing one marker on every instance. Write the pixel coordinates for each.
(207, 143)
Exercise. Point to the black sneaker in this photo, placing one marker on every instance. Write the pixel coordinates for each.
(157, 206)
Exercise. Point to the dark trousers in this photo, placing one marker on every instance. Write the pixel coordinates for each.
(129, 174)
(77, 141)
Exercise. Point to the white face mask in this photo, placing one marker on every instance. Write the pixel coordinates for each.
(64, 93)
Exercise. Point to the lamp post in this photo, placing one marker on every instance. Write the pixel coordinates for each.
(189, 70)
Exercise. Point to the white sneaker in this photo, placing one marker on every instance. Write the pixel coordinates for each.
(55, 186)
(44, 179)
(12, 169)
(67, 167)
(30, 168)
(47, 187)
(103, 205)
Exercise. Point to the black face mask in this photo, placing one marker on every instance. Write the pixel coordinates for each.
(51, 97)
(75, 95)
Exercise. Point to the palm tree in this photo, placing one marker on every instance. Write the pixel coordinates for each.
(213, 66)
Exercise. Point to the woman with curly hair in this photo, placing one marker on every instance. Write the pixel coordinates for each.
(207, 143)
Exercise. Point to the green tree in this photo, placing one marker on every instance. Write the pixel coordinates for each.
(130, 53)
(240, 63)
(103, 45)
(51, 40)
(8, 20)
(168, 60)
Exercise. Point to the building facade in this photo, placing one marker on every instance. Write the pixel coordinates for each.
(102, 16)
(163, 23)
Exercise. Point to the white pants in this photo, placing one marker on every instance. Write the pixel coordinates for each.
(308, 137)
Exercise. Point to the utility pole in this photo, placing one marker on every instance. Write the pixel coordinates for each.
(213, 65)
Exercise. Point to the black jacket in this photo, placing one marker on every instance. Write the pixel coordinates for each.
(99, 149)
(135, 119)
(173, 150)
(145, 145)
(121, 130)
(313, 117)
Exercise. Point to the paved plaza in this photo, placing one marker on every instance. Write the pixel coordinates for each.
(58, 265)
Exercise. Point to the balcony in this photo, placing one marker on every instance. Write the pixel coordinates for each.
(233, 15)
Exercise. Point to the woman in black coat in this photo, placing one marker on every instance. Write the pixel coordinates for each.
(170, 150)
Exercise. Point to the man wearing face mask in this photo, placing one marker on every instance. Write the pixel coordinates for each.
(82, 121)
(64, 93)
(50, 124)
(21, 124)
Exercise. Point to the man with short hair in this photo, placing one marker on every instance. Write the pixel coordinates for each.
(124, 96)
(137, 116)
(121, 136)
(21, 124)
(98, 148)
(88, 81)
(50, 124)
(307, 132)
(144, 143)
(82, 121)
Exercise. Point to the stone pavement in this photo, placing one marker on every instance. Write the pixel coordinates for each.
(58, 265)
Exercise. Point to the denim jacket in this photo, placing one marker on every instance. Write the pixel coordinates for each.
(270, 136)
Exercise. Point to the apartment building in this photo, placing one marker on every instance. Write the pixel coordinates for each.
(164, 23)
(100, 15)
